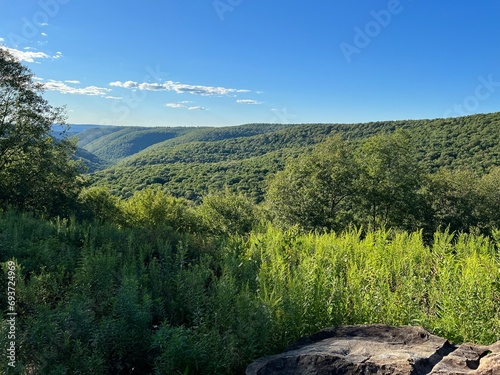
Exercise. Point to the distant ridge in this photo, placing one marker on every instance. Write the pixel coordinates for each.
(190, 162)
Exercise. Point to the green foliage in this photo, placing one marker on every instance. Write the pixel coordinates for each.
(91, 162)
(381, 184)
(155, 284)
(227, 213)
(153, 208)
(200, 161)
(389, 182)
(463, 200)
(115, 143)
(489, 191)
(308, 282)
(310, 192)
(97, 203)
(36, 170)
(94, 298)
(453, 196)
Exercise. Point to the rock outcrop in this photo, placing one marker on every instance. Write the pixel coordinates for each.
(379, 349)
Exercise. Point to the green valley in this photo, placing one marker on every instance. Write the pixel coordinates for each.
(196, 250)
(195, 161)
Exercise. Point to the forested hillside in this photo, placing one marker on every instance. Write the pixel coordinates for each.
(200, 250)
(117, 143)
(198, 161)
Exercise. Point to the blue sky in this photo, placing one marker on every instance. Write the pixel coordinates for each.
(229, 62)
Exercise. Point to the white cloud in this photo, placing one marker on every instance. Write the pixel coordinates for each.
(126, 85)
(248, 101)
(27, 56)
(30, 56)
(43, 34)
(184, 106)
(178, 87)
(2, 40)
(75, 82)
(175, 105)
(63, 88)
(113, 97)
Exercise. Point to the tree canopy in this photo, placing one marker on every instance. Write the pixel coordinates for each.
(380, 183)
(310, 191)
(36, 170)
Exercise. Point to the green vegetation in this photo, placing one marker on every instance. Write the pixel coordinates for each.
(200, 250)
(99, 299)
(116, 143)
(36, 170)
(381, 184)
(242, 158)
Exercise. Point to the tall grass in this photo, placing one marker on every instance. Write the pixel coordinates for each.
(94, 298)
(309, 282)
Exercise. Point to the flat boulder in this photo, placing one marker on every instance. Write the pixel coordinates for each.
(379, 349)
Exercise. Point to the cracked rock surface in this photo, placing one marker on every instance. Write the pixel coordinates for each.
(379, 349)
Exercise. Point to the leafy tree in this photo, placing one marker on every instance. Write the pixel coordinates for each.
(389, 181)
(489, 190)
(453, 196)
(311, 190)
(36, 171)
(227, 213)
(98, 203)
(464, 201)
(153, 208)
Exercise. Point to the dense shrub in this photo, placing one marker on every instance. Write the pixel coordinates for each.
(103, 299)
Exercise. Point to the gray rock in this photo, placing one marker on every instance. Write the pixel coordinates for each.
(471, 359)
(379, 349)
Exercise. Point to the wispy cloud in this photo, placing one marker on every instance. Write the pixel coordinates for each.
(184, 106)
(178, 87)
(175, 105)
(113, 97)
(248, 101)
(73, 81)
(63, 88)
(29, 55)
